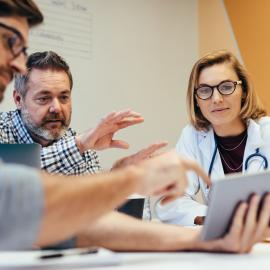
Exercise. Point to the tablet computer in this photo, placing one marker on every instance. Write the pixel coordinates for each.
(26, 154)
(224, 197)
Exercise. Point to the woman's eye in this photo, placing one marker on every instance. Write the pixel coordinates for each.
(205, 90)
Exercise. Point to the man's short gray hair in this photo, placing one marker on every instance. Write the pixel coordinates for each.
(20, 83)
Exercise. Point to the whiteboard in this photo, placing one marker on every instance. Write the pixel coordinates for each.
(123, 54)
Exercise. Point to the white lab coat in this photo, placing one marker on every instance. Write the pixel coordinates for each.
(199, 145)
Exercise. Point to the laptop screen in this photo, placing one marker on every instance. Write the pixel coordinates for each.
(25, 154)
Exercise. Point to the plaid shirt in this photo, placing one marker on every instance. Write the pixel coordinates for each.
(62, 157)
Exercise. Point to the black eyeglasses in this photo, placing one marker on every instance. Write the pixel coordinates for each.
(206, 91)
(15, 42)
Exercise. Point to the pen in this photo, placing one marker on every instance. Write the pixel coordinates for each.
(60, 254)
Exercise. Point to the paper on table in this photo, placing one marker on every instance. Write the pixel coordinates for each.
(20, 259)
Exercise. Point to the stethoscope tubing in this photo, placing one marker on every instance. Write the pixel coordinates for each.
(257, 154)
(247, 162)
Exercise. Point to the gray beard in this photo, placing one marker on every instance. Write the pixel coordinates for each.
(40, 132)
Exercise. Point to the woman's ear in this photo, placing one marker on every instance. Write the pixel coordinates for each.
(244, 95)
(243, 99)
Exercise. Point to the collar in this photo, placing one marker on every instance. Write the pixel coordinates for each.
(255, 139)
(207, 144)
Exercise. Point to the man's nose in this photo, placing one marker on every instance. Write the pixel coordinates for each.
(55, 106)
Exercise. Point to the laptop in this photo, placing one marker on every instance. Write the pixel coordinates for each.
(134, 206)
(25, 154)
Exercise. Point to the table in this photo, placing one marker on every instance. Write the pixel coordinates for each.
(259, 259)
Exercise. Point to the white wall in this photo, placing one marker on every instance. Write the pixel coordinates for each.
(141, 54)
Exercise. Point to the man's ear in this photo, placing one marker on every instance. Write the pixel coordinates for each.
(17, 99)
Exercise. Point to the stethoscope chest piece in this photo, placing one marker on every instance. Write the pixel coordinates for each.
(256, 162)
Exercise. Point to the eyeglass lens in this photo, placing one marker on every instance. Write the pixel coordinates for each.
(16, 45)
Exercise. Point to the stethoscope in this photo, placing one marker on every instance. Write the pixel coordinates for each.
(256, 156)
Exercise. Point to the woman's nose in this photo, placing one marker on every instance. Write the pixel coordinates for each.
(217, 97)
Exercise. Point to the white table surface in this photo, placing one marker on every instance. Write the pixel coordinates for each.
(258, 259)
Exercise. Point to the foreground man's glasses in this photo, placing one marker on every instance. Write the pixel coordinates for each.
(14, 41)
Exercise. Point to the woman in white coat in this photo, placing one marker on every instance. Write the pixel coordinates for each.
(227, 126)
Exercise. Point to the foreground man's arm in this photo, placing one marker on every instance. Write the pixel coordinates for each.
(120, 232)
(72, 204)
(41, 209)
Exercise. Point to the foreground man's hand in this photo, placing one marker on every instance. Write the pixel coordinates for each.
(101, 137)
(246, 230)
(143, 154)
(165, 175)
